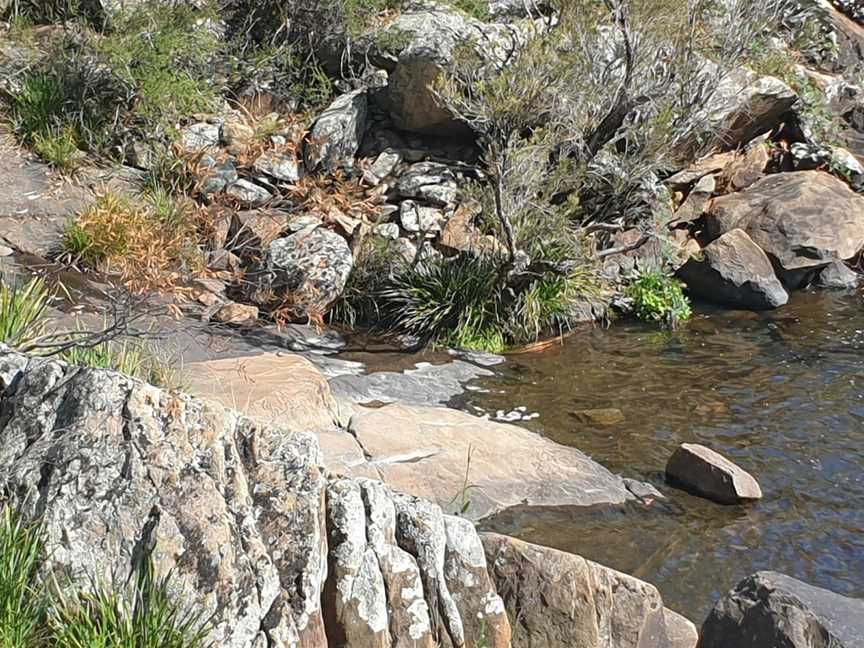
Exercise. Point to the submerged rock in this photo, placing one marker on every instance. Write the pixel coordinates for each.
(771, 610)
(705, 472)
(734, 271)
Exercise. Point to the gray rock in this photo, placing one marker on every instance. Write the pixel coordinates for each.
(802, 220)
(383, 166)
(417, 218)
(423, 174)
(219, 177)
(119, 471)
(558, 599)
(734, 271)
(310, 267)
(200, 137)
(705, 472)
(388, 231)
(337, 133)
(771, 610)
(278, 165)
(249, 193)
(838, 276)
(418, 46)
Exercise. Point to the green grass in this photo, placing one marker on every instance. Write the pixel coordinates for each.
(129, 359)
(22, 599)
(58, 149)
(143, 615)
(23, 311)
(658, 297)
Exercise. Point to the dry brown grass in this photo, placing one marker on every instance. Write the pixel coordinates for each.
(118, 237)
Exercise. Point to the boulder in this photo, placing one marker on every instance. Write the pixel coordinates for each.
(746, 168)
(337, 133)
(693, 206)
(308, 270)
(119, 472)
(802, 220)
(705, 472)
(733, 270)
(745, 106)
(558, 599)
(417, 47)
(838, 276)
(772, 610)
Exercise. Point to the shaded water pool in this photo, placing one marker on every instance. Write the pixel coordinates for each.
(780, 393)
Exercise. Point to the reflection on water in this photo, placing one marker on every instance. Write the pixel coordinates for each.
(782, 394)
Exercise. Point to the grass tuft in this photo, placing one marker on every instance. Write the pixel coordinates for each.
(23, 311)
(22, 601)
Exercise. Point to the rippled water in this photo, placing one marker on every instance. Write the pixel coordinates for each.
(782, 394)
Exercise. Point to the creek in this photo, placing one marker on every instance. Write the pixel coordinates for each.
(779, 393)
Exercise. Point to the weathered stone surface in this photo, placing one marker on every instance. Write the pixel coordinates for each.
(252, 231)
(746, 168)
(691, 209)
(420, 44)
(281, 389)
(337, 133)
(281, 166)
(484, 619)
(838, 276)
(771, 610)
(248, 192)
(558, 599)
(746, 106)
(733, 270)
(383, 166)
(802, 220)
(417, 218)
(200, 137)
(705, 472)
(118, 471)
(429, 455)
(309, 269)
(233, 313)
(600, 416)
(460, 234)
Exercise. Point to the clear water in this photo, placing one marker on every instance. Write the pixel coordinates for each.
(782, 394)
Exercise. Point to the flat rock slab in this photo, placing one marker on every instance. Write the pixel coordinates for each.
(704, 472)
(768, 610)
(35, 202)
(459, 460)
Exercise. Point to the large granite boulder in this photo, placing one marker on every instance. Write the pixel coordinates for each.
(418, 46)
(558, 599)
(306, 271)
(119, 471)
(733, 270)
(337, 133)
(802, 220)
(771, 610)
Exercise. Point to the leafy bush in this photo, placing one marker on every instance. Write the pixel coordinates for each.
(657, 297)
(144, 615)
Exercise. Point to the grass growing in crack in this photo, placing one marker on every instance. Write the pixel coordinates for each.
(32, 615)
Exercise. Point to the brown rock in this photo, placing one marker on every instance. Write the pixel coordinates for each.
(802, 220)
(705, 472)
(233, 313)
(558, 599)
(237, 137)
(745, 169)
(602, 416)
(252, 231)
(460, 234)
(733, 270)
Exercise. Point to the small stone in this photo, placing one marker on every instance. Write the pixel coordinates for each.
(600, 416)
(704, 472)
(6, 251)
(278, 165)
(387, 231)
(220, 176)
(249, 192)
(200, 137)
(383, 166)
(234, 313)
(237, 136)
(416, 218)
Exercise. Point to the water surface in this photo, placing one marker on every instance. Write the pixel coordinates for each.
(782, 394)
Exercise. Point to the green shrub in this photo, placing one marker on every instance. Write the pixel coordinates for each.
(658, 297)
(23, 311)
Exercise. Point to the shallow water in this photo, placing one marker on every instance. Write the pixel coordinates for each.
(782, 394)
